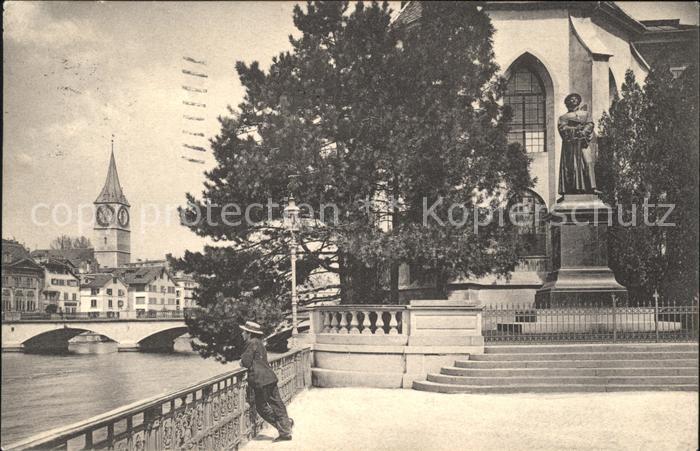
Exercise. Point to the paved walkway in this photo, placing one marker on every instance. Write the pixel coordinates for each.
(372, 419)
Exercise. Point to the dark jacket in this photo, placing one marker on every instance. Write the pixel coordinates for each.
(254, 358)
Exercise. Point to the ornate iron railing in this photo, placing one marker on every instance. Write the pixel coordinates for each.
(647, 321)
(213, 415)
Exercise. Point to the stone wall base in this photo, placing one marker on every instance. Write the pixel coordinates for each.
(326, 378)
(382, 366)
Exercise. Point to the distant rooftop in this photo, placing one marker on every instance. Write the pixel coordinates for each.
(135, 275)
(12, 251)
(74, 256)
(97, 280)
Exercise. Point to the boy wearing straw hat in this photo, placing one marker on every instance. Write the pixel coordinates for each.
(263, 381)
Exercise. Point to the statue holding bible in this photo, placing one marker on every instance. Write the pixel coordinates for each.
(578, 153)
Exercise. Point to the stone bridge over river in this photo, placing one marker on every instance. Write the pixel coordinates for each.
(53, 334)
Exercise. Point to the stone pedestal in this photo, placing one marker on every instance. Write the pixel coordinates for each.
(580, 275)
(440, 332)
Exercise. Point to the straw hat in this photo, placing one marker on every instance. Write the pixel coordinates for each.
(253, 328)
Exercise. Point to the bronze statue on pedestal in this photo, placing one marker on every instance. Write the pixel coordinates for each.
(577, 164)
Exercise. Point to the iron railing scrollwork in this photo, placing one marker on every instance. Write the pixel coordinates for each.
(216, 414)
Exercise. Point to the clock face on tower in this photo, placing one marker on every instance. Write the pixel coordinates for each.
(123, 217)
(105, 215)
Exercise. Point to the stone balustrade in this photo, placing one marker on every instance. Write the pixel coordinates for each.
(365, 320)
(213, 415)
(390, 345)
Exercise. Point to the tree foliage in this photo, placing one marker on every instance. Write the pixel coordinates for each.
(68, 242)
(650, 156)
(379, 123)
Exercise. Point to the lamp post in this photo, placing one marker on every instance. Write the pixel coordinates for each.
(291, 223)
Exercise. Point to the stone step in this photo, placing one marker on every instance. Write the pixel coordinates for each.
(563, 380)
(437, 387)
(585, 356)
(622, 347)
(624, 363)
(530, 372)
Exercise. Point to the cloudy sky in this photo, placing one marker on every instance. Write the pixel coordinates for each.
(75, 73)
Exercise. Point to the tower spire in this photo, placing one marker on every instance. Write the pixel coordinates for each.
(112, 189)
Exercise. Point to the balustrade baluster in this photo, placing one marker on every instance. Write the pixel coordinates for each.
(393, 330)
(334, 322)
(354, 323)
(379, 324)
(343, 323)
(326, 322)
(366, 324)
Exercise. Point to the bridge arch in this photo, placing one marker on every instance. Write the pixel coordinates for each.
(130, 335)
(54, 340)
(162, 340)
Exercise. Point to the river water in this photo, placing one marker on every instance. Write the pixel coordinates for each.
(42, 392)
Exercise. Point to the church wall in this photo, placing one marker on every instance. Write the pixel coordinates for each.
(105, 247)
(123, 259)
(117, 240)
(581, 69)
(566, 63)
(124, 244)
(123, 240)
(110, 244)
(617, 41)
(545, 35)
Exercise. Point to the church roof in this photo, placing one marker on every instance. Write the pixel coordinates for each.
(112, 191)
(411, 11)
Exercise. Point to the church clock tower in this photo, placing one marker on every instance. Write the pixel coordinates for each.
(112, 222)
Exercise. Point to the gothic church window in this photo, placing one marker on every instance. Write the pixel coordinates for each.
(527, 212)
(525, 96)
